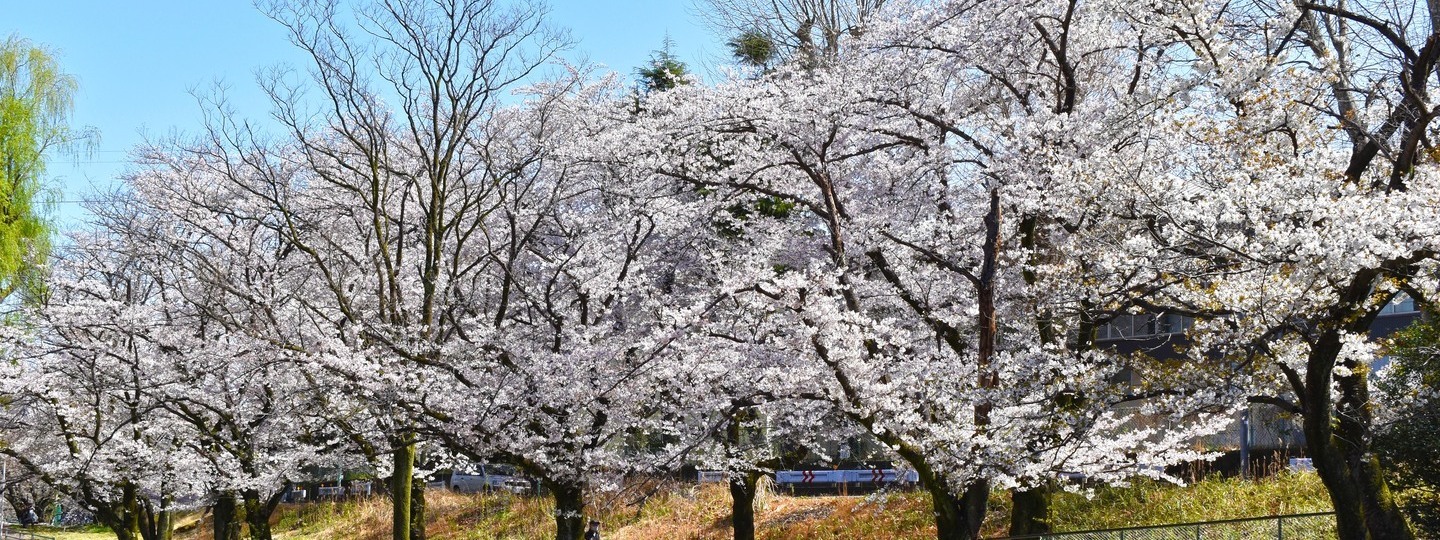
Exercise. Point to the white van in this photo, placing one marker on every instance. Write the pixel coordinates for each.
(487, 478)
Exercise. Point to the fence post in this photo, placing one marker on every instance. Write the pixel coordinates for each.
(1197, 531)
(1279, 528)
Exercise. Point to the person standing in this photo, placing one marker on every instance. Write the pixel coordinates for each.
(593, 533)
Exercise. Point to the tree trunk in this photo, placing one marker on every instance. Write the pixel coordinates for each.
(122, 518)
(417, 510)
(961, 518)
(958, 518)
(569, 511)
(257, 514)
(227, 522)
(1339, 445)
(742, 504)
(130, 509)
(975, 501)
(156, 523)
(165, 525)
(112, 515)
(401, 482)
(742, 482)
(122, 534)
(1383, 517)
(1030, 510)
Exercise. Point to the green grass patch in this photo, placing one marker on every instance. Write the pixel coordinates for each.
(1147, 502)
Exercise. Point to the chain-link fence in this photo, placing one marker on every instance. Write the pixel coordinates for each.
(21, 534)
(1292, 527)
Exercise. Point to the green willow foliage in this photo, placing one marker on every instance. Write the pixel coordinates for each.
(35, 104)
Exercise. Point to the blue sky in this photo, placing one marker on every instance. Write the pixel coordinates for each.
(138, 61)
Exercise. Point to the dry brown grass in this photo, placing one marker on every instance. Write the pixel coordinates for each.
(690, 512)
(671, 512)
(703, 513)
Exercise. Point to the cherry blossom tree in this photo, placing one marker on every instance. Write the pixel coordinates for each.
(384, 203)
(506, 298)
(913, 168)
(1306, 203)
(81, 392)
(234, 373)
(575, 342)
(922, 236)
(175, 304)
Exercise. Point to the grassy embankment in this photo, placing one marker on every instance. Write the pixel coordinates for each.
(702, 512)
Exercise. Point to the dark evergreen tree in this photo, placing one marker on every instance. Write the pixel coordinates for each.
(664, 72)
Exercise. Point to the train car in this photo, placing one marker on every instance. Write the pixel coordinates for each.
(844, 481)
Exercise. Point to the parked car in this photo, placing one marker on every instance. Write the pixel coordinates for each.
(485, 478)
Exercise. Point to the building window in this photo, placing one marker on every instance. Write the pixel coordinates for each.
(1401, 304)
(1144, 326)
